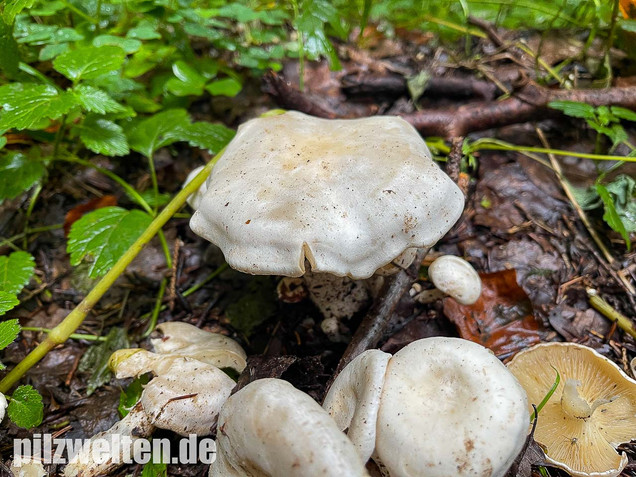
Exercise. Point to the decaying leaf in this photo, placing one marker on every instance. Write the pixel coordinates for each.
(502, 318)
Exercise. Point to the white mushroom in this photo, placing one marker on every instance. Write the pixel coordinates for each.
(194, 200)
(348, 196)
(269, 428)
(447, 407)
(185, 396)
(452, 276)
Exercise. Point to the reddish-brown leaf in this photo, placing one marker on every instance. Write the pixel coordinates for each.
(502, 318)
(76, 212)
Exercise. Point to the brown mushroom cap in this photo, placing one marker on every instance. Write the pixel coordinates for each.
(592, 411)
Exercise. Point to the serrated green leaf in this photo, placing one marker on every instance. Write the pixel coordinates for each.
(212, 137)
(15, 271)
(9, 54)
(26, 105)
(9, 331)
(146, 29)
(8, 301)
(18, 173)
(13, 7)
(610, 216)
(26, 408)
(574, 109)
(130, 396)
(103, 136)
(224, 87)
(105, 234)
(95, 360)
(89, 62)
(158, 131)
(96, 100)
(188, 81)
(623, 113)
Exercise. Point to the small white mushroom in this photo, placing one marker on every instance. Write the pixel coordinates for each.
(455, 277)
(447, 407)
(194, 200)
(270, 429)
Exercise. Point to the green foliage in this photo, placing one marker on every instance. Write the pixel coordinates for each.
(154, 469)
(95, 100)
(103, 136)
(89, 62)
(9, 331)
(131, 395)
(15, 272)
(104, 235)
(19, 172)
(95, 360)
(26, 106)
(254, 307)
(26, 408)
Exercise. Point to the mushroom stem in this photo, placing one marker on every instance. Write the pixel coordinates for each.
(375, 322)
(574, 405)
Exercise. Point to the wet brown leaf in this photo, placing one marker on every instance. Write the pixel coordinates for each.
(76, 213)
(502, 318)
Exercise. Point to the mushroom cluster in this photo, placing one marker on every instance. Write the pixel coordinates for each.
(185, 396)
(592, 411)
(438, 407)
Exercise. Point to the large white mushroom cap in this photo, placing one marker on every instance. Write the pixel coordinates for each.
(347, 195)
(438, 407)
(270, 428)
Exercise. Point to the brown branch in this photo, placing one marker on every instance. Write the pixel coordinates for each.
(396, 85)
(530, 103)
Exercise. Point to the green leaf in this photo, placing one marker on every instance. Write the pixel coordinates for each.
(96, 100)
(18, 173)
(8, 301)
(158, 131)
(610, 216)
(130, 396)
(129, 45)
(146, 29)
(253, 307)
(103, 136)
(623, 113)
(105, 234)
(224, 87)
(13, 7)
(26, 408)
(9, 331)
(89, 62)
(9, 54)
(574, 109)
(51, 51)
(26, 105)
(95, 360)
(623, 191)
(188, 81)
(212, 137)
(15, 271)
(154, 469)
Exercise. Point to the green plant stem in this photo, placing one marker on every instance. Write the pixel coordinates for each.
(301, 48)
(155, 183)
(610, 42)
(608, 311)
(58, 138)
(155, 312)
(73, 336)
(29, 211)
(481, 145)
(73, 320)
(548, 395)
(36, 74)
(79, 13)
(34, 230)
